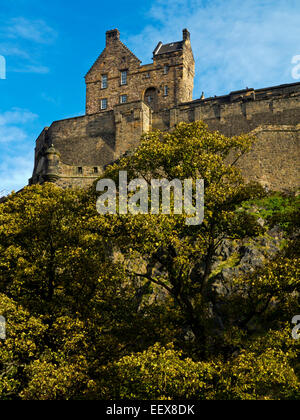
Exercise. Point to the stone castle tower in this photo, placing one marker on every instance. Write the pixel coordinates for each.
(117, 77)
(125, 99)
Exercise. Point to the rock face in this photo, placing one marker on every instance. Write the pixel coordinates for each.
(236, 258)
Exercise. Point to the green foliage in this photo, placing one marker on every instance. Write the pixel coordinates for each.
(25, 336)
(275, 208)
(163, 373)
(62, 276)
(175, 256)
(158, 373)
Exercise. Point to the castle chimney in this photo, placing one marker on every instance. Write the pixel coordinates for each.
(112, 36)
(186, 34)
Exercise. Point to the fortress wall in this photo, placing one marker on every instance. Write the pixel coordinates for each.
(99, 139)
(232, 119)
(69, 176)
(87, 144)
(84, 141)
(272, 115)
(236, 116)
(132, 120)
(274, 160)
(84, 145)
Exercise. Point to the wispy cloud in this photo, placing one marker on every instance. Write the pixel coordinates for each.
(9, 49)
(15, 172)
(9, 134)
(236, 44)
(16, 159)
(31, 68)
(31, 30)
(16, 116)
(11, 125)
(24, 41)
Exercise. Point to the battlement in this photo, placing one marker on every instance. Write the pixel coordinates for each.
(292, 89)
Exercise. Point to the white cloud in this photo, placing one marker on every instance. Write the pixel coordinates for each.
(10, 132)
(31, 30)
(236, 44)
(31, 68)
(24, 41)
(8, 49)
(48, 98)
(16, 158)
(16, 116)
(15, 172)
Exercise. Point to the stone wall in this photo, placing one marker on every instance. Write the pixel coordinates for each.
(271, 114)
(85, 145)
(239, 112)
(274, 160)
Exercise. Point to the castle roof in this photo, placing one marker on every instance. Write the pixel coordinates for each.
(168, 48)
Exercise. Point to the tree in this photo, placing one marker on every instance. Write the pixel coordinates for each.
(86, 296)
(69, 306)
(162, 249)
(25, 335)
(263, 372)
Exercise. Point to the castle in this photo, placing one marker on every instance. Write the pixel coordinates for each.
(125, 99)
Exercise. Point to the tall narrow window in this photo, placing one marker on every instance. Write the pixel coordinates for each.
(166, 90)
(103, 103)
(123, 99)
(104, 81)
(79, 170)
(166, 69)
(124, 77)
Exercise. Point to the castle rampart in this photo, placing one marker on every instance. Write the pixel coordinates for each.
(83, 146)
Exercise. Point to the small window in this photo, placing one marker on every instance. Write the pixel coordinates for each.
(123, 99)
(166, 69)
(124, 77)
(79, 170)
(103, 103)
(104, 81)
(148, 75)
(166, 90)
(95, 170)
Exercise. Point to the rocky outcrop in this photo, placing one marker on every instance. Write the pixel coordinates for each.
(235, 258)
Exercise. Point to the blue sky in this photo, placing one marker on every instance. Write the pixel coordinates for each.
(49, 47)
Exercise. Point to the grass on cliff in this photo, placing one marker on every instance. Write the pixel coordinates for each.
(275, 207)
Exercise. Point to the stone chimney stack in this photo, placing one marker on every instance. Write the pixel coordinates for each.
(185, 34)
(112, 36)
